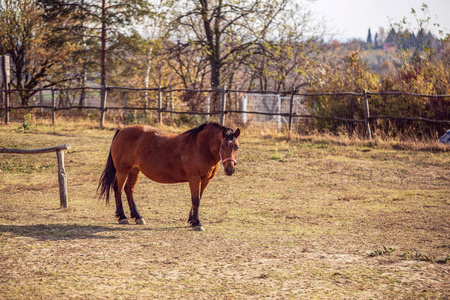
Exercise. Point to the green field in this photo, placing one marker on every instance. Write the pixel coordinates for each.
(310, 218)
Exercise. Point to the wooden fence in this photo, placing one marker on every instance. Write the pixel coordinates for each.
(62, 177)
(290, 116)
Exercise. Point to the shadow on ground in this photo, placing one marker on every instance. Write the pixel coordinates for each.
(54, 232)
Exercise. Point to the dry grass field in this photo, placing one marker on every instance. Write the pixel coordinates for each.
(311, 217)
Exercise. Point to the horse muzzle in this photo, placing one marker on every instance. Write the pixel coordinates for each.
(228, 165)
(229, 170)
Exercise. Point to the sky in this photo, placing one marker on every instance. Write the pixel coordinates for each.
(349, 19)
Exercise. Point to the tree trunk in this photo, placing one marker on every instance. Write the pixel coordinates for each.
(213, 37)
(103, 66)
(103, 50)
(83, 67)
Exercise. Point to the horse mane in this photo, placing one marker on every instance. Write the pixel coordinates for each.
(193, 133)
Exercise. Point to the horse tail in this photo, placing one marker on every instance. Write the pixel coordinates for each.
(108, 179)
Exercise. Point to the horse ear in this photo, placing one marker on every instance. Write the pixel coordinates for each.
(237, 133)
(225, 132)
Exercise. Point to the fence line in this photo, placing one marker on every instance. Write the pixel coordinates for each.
(103, 107)
(407, 94)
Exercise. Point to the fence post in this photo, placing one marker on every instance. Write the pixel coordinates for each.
(223, 105)
(244, 108)
(367, 115)
(171, 103)
(6, 99)
(208, 103)
(62, 179)
(6, 104)
(5, 75)
(125, 104)
(159, 105)
(41, 97)
(53, 106)
(291, 106)
(279, 112)
(103, 106)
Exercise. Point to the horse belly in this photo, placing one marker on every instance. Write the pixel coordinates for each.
(163, 173)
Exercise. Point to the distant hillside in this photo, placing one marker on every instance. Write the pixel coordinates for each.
(382, 53)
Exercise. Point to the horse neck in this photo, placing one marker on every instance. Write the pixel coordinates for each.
(209, 141)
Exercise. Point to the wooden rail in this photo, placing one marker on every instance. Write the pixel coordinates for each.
(62, 177)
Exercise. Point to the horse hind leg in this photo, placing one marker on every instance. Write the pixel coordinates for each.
(133, 178)
(118, 187)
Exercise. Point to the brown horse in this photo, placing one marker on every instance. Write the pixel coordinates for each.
(193, 156)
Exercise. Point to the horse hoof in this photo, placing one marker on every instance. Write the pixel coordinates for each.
(199, 228)
(141, 221)
(124, 222)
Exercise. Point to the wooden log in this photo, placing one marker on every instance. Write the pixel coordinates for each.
(36, 151)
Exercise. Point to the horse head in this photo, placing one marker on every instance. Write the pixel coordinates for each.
(229, 150)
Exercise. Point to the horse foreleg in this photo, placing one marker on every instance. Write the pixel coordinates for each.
(133, 177)
(195, 186)
(118, 187)
(203, 187)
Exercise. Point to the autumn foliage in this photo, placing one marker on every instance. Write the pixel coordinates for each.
(258, 45)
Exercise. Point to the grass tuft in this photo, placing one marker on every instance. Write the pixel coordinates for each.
(384, 251)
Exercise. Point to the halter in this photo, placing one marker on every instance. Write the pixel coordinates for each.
(226, 159)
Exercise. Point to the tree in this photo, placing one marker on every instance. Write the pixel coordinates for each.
(282, 60)
(381, 36)
(28, 40)
(238, 37)
(422, 44)
(369, 38)
(100, 21)
(392, 36)
(223, 30)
